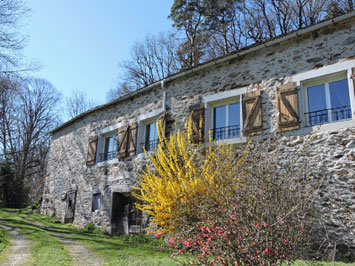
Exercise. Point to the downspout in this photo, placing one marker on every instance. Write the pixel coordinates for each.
(162, 83)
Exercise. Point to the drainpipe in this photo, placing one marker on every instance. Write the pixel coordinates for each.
(164, 93)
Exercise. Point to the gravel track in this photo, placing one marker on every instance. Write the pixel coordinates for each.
(19, 252)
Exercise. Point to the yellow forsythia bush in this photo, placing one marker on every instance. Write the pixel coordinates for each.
(180, 170)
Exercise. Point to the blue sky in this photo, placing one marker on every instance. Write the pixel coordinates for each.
(81, 42)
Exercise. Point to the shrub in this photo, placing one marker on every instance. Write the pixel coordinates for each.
(89, 228)
(178, 172)
(35, 207)
(245, 205)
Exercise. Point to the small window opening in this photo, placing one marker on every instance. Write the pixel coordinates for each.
(96, 201)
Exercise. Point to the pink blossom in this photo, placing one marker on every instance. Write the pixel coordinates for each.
(159, 234)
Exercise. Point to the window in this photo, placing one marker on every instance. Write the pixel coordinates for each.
(226, 121)
(148, 131)
(110, 148)
(232, 115)
(327, 100)
(151, 136)
(96, 201)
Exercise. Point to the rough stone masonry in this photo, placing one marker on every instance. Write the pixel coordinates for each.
(327, 49)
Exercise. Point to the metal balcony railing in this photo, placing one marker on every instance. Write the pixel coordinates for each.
(225, 132)
(107, 156)
(151, 145)
(328, 115)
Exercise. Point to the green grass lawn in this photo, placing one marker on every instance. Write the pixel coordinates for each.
(4, 245)
(117, 250)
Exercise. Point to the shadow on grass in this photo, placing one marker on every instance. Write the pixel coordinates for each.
(66, 233)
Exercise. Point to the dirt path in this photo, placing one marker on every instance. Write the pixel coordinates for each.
(79, 255)
(19, 252)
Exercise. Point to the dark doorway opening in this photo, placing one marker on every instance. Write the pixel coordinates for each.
(126, 218)
(70, 210)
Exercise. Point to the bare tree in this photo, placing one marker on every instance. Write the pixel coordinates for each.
(151, 60)
(78, 103)
(11, 42)
(28, 112)
(8, 112)
(122, 88)
(37, 116)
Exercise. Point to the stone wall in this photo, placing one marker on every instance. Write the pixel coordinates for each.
(332, 147)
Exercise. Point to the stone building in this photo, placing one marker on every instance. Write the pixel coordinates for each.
(299, 86)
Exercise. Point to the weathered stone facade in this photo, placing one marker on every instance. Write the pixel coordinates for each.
(321, 50)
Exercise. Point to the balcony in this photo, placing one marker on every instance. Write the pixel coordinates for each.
(151, 145)
(225, 132)
(106, 156)
(328, 115)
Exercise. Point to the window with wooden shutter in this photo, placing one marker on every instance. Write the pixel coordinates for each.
(198, 117)
(91, 158)
(287, 107)
(252, 119)
(127, 141)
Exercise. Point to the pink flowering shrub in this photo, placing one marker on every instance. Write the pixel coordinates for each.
(261, 215)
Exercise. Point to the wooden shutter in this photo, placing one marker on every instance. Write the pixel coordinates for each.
(353, 69)
(198, 115)
(132, 139)
(162, 122)
(127, 141)
(252, 119)
(287, 107)
(122, 141)
(91, 158)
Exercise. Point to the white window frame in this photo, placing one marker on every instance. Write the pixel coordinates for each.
(143, 121)
(221, 99)
(323, 75)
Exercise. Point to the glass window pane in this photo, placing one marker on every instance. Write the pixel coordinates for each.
(155, 131)
(153, 134)
(234, 114)
(220, 122)
(316, 98)
(147, 133)
(340, 100)
(110, 144)
(220, 117)
(234, 120)
(107, 144)
(339, 93)
(115, 142)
